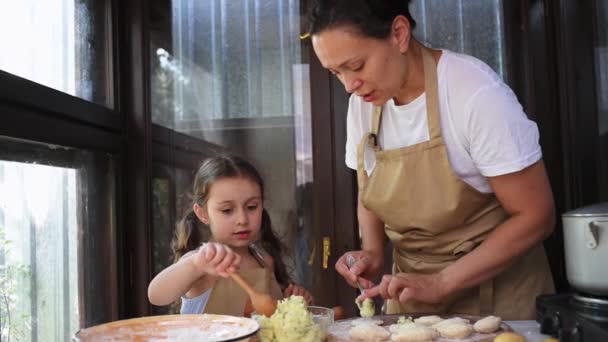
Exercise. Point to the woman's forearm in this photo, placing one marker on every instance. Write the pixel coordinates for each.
(527, 198)
(508, 242)
(372, 235)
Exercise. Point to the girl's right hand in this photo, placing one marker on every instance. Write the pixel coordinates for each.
(215, 259)
(366, 266)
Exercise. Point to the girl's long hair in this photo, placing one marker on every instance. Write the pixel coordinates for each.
(190, 232)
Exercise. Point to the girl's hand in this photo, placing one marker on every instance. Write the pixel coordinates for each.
(215, 259)
(295, 290)
(425, 288)
(365, 267)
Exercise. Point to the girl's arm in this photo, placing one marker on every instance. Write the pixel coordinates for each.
(178, 279)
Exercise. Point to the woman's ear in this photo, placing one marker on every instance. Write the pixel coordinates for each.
(401, 33)
(201, 213)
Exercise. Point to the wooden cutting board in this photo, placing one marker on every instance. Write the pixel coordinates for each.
(338, 332)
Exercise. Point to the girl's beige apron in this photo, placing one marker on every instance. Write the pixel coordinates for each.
(228, 298)
(432, 218)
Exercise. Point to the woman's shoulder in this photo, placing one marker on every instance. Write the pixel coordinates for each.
(458, 68)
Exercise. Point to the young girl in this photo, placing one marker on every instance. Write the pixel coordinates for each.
(227, 230)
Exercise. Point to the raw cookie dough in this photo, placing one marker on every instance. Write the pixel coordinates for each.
(455, 330)
(487, 325)
(366, 320)
(394, 328)
(417, 334)
(428, 320)
(368, 332)
(451, 321)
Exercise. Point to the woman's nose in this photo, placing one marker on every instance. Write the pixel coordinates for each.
(351, 84)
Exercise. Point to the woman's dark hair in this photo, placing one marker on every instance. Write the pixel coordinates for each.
(372, 18)
(191, 232)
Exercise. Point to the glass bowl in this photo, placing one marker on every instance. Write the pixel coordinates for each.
(322, 319)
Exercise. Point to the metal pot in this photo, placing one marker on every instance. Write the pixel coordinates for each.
(586, 248)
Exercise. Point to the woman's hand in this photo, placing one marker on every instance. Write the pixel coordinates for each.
(295, 290)
(365, 267)
(215, 259)
(425, 288)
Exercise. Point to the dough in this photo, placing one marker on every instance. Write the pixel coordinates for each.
(487, 325)
(394, 328)
(368, 332)
(451, 321)
(366, 320)
(428, 320)
(455, 330)
(416, 334)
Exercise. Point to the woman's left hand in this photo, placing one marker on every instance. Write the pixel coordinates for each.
(295, 290)
(425, 288)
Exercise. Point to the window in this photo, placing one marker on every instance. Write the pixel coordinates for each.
(38, 244)
(55, 208)
(61, 44)
(239, 88)
(473, 27)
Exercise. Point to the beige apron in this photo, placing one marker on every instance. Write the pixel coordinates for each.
(228, 298)
(432, 218)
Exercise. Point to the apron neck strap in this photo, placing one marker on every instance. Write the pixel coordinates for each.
(432, 95)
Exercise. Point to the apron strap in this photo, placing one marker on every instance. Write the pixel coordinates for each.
(370, 139)
(432, 95)
(376, 121)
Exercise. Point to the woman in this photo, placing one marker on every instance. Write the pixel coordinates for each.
(448, 166)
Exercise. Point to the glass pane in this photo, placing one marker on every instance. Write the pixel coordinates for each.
(473, 27)
(246, 89)
(170, 189)
(46, 242)
(601, 64)
(59, 43)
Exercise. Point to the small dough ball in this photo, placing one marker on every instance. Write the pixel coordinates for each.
(455, 330)
(368, 332)
(416, 334)
(366, 321)
(428, 320)
(395, 328)
(487, 325)
(451, 321)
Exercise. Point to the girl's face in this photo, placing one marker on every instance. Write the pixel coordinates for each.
(373, 69)
(233, 211)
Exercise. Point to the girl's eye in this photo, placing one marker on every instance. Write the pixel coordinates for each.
(227, 210)
(252, 207)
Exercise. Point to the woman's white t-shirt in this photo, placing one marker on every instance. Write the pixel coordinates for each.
(483, 124)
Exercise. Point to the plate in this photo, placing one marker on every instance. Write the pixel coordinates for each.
(203, 327)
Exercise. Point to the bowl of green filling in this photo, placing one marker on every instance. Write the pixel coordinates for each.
(295, 321)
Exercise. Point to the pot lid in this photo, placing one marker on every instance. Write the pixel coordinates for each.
(600, 209)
